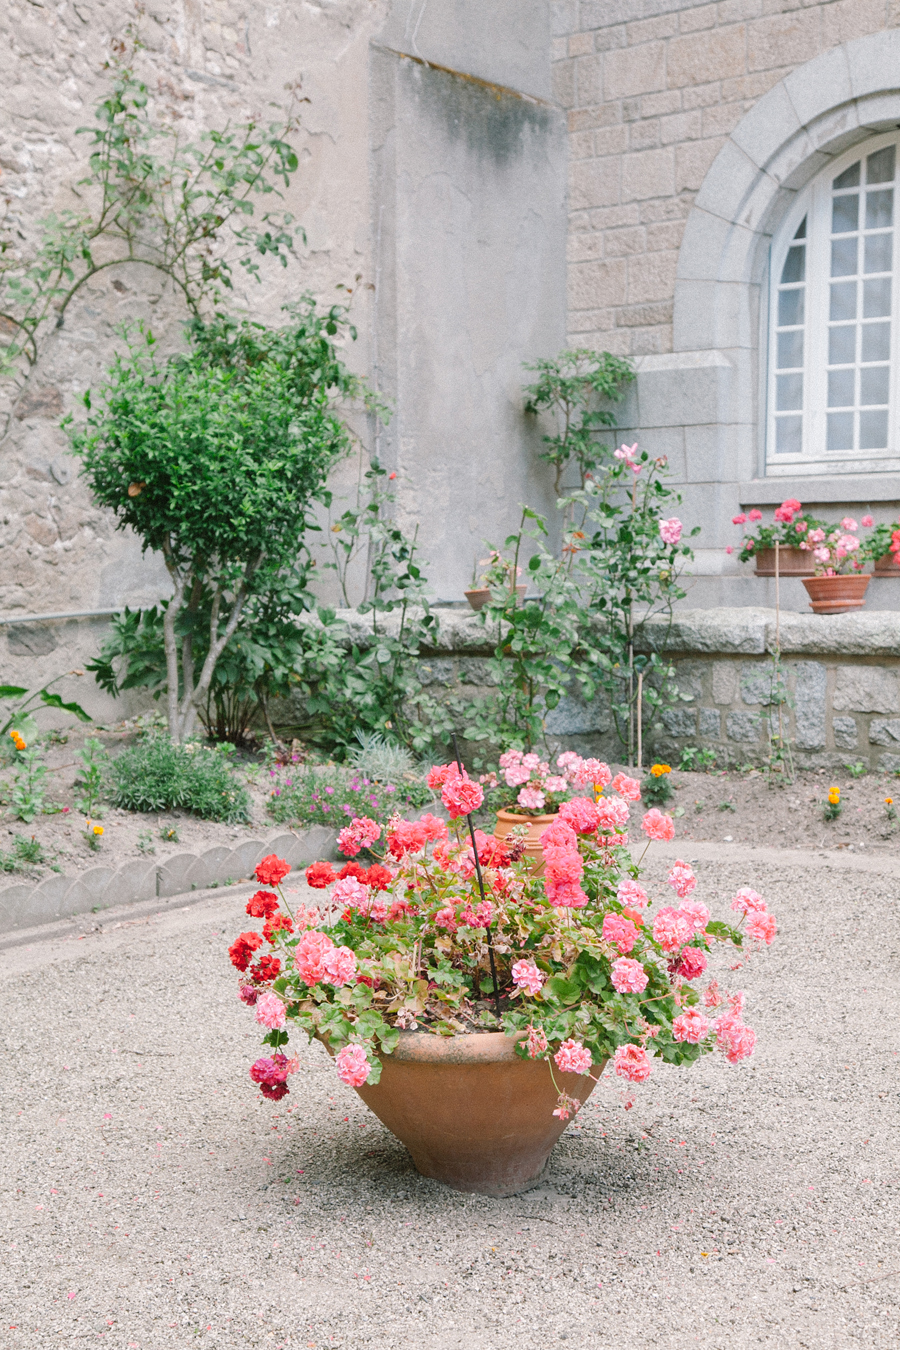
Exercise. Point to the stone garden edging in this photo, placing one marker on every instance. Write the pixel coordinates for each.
(26, 905)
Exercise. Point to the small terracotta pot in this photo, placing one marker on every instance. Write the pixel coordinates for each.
(506, 820)
(792, 562)
(834, 595)
(471, 1112)
(479, 597)
(885, 566)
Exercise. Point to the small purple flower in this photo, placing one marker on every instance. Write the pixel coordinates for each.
(329, 790)
(389, 787)
(277, 792)
(374, 801)
(289, 782)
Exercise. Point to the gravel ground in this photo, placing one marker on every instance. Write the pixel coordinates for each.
(153, 1200)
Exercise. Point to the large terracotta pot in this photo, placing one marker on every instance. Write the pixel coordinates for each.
(885, 566)
(471, 1112)
(792, 562)
(506, 820)
(834, 595)
(479, 597)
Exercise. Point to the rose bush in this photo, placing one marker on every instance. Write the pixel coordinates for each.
(589, 967)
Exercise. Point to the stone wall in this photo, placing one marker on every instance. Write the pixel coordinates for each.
(841, 680)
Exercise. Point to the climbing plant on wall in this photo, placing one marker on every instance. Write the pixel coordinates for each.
(194, 211)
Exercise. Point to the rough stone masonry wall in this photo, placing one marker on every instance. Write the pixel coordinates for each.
(652, 88)
(842, 675)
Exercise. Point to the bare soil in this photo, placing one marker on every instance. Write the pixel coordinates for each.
(736, 807)
(754, 809)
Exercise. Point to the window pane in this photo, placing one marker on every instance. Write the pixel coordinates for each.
(842, 388)
(843, 300)
(842, 346)
(879, 209)
(840, 431)
(845, 213)
(788, 435)
(876, 342)
(850, 177)
(880, 166)
(790, 308)
(794, 265)
(878, 252)
(873, 430)
(789, 392)
(801, 229)
(876, 298)
(874, 382)
(790, 350)
(843, 257)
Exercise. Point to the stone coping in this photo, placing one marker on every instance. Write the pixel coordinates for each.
(748, 630)
(28, 904)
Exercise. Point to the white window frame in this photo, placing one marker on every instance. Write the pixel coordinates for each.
(815, 203)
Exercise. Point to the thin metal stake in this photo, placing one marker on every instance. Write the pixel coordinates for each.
(490, 936)
(640, 718)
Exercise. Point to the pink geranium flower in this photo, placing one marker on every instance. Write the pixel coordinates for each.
(357, 835)
(612, 814)
(309, 956)
(629, 788)
(867, 522)
(761, 927)
(670, 530)
(581, 814)
(691, 963)
(537, 1042)
(631, 1062)
(620, 932)
(755, 515)
(681, 878)
(340, 966)
(630, 893)
(352, 1065)
(748, 900)
(657, 825)
(527, 976)
(691, 1026)
(572, 1057)
(270, 1011)
(672, 928)
(628, 976)
(461, 796)
(696, 912)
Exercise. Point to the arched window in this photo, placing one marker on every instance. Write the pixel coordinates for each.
(833, 390)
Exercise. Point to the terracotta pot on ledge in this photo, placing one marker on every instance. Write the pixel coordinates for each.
(472, 1113)
(835, 595)
(479, 597)
(885, 566)
(792, 562)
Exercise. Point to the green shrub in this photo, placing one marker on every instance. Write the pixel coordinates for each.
(333, 795)
(158, 775)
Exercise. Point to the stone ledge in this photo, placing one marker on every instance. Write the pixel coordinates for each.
(28, 904)
(751, 631)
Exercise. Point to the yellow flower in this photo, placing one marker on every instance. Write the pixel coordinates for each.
(18, 740)
(889, 801)
(657, 770)
(98, 829)
(834, 796)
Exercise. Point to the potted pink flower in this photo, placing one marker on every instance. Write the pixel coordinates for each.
(526, 793)
(472, 1004)
(788, 529)
(839, 583)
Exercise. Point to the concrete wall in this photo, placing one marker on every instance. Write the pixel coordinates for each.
(431, 183)
(691, 129)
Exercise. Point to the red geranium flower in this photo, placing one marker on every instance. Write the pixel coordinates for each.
(262, 905)
(272, 870)
(267, 968)
(319, 875)
(378, 877)
(279, 923)
(242, 949)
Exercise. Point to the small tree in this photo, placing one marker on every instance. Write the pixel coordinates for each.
(574, 386)
(214, 458)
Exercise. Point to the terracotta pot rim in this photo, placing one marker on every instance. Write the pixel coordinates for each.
(525, 820)
(469, 1047)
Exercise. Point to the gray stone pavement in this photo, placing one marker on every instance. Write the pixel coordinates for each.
(152, 1201)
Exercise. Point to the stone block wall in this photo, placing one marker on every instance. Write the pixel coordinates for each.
(841, 679)
(652, 89)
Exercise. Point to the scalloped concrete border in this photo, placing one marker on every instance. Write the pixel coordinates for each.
(26, 904)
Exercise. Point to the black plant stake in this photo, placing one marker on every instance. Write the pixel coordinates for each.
(490, 936)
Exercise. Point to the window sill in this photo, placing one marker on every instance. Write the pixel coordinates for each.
(848, 489)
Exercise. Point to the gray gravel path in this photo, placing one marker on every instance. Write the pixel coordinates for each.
(150, 1199)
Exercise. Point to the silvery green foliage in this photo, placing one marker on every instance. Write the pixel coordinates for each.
(381, 759)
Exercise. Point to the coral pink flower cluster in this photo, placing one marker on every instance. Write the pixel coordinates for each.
(386, 931)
